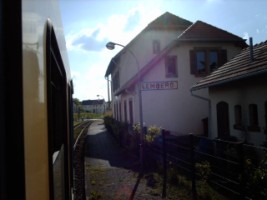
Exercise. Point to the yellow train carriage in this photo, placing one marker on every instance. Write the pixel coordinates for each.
(35, 102)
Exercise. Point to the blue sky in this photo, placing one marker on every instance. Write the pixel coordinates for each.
(90, 24)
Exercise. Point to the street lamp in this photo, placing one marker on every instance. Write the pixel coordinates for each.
(111, 46)
(103, 103)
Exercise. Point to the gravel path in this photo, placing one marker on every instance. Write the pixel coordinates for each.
(111, 173)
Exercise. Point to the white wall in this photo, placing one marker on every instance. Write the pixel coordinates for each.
(176, 110)
(142, 48)
(252, 91)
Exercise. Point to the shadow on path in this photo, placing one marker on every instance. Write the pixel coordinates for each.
(111, 171)
(104, 146)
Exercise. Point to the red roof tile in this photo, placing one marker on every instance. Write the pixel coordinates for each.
(168, 21)
(201, 31)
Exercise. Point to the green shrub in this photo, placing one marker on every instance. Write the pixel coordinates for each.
(152, 132)
(203, 169)
(136, 128)
(257, 178)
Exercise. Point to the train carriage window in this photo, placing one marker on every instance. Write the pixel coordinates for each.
(57, 118)
(56, 87)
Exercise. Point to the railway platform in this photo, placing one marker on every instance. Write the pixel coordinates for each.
(111, 172)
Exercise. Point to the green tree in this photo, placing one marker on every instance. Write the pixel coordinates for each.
(78, 107)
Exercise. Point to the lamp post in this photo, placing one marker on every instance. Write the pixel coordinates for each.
(111, 46)
(103, 103)
(108, 107)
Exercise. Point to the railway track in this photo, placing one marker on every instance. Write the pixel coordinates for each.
(80, 132)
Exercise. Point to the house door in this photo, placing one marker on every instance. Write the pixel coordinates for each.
(223, 120)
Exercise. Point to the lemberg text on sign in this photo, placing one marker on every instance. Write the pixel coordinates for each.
(160, 85)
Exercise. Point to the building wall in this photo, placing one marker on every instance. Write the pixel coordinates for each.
(142, 49)
(245, 92)
(174, 109)
(177, 110)
(97, 108)
(127, 66)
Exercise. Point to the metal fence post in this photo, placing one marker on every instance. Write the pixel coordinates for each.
(163, 133)
(193, 163)
(242, 183)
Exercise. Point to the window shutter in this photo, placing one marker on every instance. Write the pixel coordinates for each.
(192, 62)
(222, 57)
(171, 66)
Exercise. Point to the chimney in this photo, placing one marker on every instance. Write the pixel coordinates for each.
(251, 49)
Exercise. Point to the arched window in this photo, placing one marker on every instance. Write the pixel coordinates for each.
(238, 117)
(131, 110)
(223, 120)
(253, 118)
(120, 111)
(125, 111)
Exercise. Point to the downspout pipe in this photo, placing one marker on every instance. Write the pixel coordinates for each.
(108, 90)
(209, 102)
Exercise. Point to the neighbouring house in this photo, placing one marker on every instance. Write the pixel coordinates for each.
(171, 54)
(238, 96)
(94, 106)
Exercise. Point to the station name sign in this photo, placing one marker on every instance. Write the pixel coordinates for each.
(159, 85)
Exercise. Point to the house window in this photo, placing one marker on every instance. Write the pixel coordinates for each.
(213, 60)
(253, 118)
(204, 61)
(238, 117)
(171, 66)
(156, 46)
(125, 111)
(131, 111)
(200, 61)
(120, 117)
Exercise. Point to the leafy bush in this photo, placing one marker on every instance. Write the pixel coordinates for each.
(152, 132)
(257, 178)
(203, 170)
(108, 122)
(136, 128)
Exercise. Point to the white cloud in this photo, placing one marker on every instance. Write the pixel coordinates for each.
(118, 27)
(93, 60)
(91, 84)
